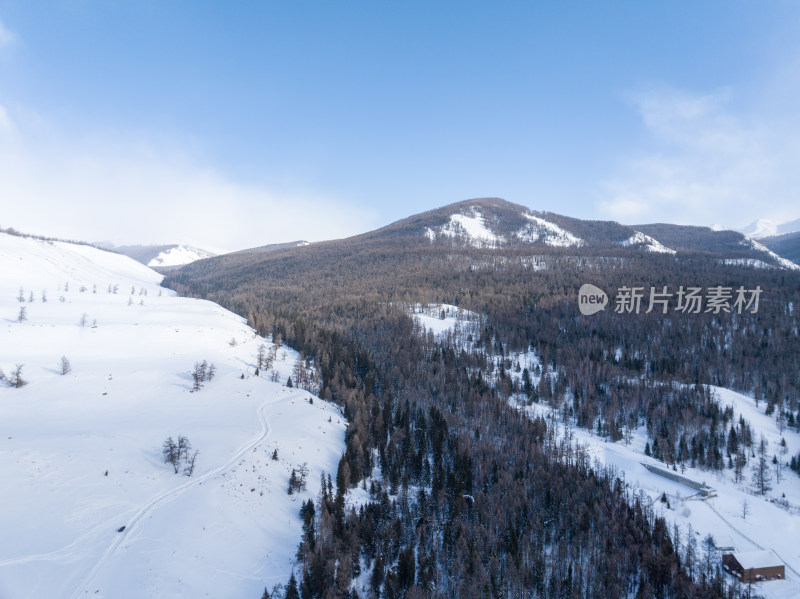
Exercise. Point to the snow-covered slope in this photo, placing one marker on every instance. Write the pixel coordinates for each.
(471, 227)
(549, 233)
(764, 524)
(783, 262)
(180, 255)
(647, 243)
(81, 453)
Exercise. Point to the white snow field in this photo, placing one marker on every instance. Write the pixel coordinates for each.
(80, 454)
(766, 524)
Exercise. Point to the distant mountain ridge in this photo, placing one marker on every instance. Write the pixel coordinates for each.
(786, 246)
(274, 246)
(493, 223)
(764, 227)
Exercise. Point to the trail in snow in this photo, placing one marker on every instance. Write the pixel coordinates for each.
(170, 495)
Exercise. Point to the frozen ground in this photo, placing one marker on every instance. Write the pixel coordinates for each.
(81, 453)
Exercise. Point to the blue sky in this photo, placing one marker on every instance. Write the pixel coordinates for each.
(239, 124)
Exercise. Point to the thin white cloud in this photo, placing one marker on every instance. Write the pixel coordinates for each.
(145, 191)
(7, 37)
(708, 163)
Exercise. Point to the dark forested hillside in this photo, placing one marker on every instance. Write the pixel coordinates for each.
(787, 246)
(475, 499)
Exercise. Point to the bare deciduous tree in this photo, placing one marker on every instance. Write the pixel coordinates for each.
(178, 454)
(203, 372)
(170, 453)
(16, 380)
(188, 469)
(261, 356)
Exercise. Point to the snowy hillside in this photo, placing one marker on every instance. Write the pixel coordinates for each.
(647, 243)
(471, 226)
(549, 233)
(81, 452)
(783, 262)
(736, 514)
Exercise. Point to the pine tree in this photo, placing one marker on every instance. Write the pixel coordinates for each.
(291, 588)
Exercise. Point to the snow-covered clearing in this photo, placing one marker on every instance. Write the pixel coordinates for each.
(747, 263)
(471, 227)
(766, 525)
(80, 453)
(440, 319)
(549, 233)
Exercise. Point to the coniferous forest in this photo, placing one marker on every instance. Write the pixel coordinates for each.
(474, 498)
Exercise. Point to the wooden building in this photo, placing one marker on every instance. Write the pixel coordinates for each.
(754, 566)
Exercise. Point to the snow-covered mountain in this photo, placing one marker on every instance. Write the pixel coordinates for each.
(164, 256)
(89, 506)
(764, 227)
(495, 224)
(180, 255)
